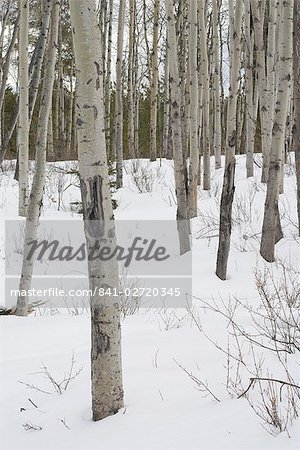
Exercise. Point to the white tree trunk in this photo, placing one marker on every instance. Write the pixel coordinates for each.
(179, 162)
(131, 85)
(229, 172)
(271, 231)
(194, 141)
(154, 83)
(23, 129)
(106, 373)
(217, 130)
(36, 195)
(205, 95)
(296, 130)
(119, 96)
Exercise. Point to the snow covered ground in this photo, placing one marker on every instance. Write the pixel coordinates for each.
(164, 408)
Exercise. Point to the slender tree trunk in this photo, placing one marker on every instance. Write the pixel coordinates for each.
(34, 77)
(251, 92)
(194, 141)
(166, 137)
(179, 162)
(36, 195)
(217, 131)
(154, 83)
(271, 225)
(205, 95)
(108, 78)
(130, 97)
(106, 369)
(229, 173)
(119, 97)
(6, 65)
(296, 130)
(23, 130)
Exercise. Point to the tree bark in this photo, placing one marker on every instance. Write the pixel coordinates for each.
(106, 370)
(179, 162)
(154, 83)
(23, 129)
(205, 95)
(130, 96)
(296, 129)
(119, 97)
(36, 195)
(229, 172)
(194, 141)
(217, 131)
(271, 225)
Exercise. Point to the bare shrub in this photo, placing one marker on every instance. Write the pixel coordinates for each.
(59, 386)
(144, 175)
(271, 338)
(129, 303)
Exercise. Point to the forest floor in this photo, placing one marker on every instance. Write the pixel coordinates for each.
(181, 387)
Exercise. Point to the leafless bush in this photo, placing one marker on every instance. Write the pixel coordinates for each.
(144, 175)
(200, 385)
(170, 318)
(129, 303)
(59, 386)
(270, 338)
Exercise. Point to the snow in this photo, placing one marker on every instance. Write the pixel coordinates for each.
(164, 409)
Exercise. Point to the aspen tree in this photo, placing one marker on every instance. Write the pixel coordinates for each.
(35, 67)
(23, 128)
(235, 16)
(167, 140)
(154, 83)
(217, 126)
(194, 141)
(38, 183)
(106, 371)
(296, 82)
(108, 75)
(179, 162)
(204, 74)
(130, 95)
(119, 96)
(251, 93)
(271, 231)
